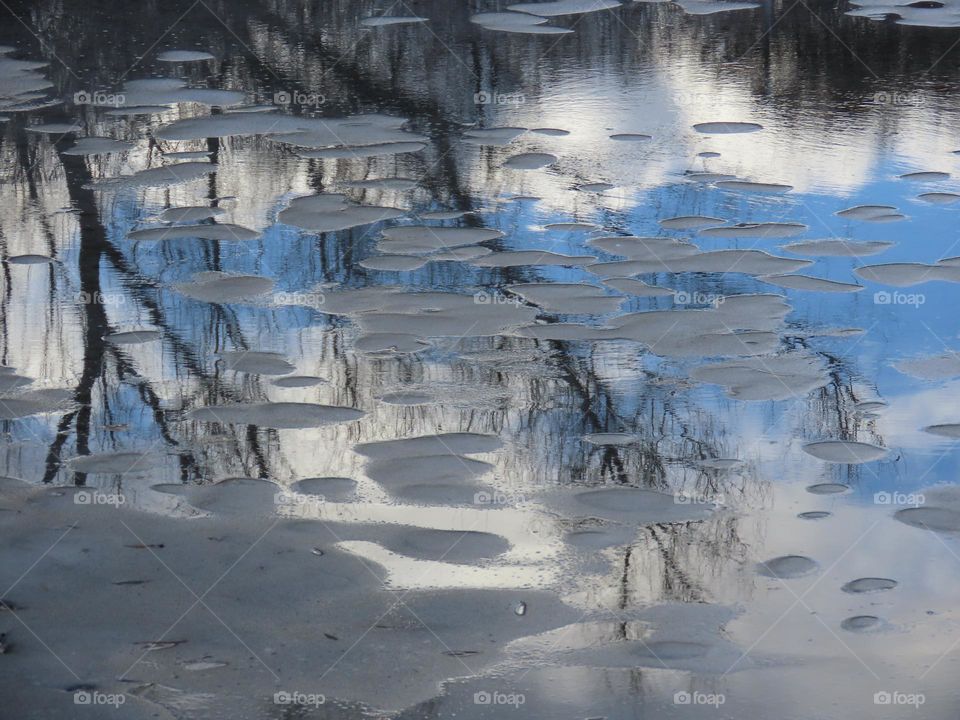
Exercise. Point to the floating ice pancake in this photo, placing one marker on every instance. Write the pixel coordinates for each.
(414, 239)
(407, 397)
(457, 443)
(726, 128)
(454, 546)
(331, 212)
(570, 226)
(867, 212)
(361, 152)
(869, 585)
(245, 496)
(630, 505)
(947, 430)
(37, 402)
(787, 566)
(220, 231)
(517, 258)
(397, 263)
(845, 451)
(178, 56)
(828, 488)
(397, 183)
(637, 287)
(931, 13)
(631, 137)
(565, 331)
(720, 463)
(55, 128)
(689, 222)
(870, 406)
(298, 381)
(755, 230)
(11, 381)
(281, 415)
(710, 7)
(564, 7)
(517, 23)
(98, 146)
(708, 154)
(190, 213)
(940, 198)
(806, 282)
(782, 377)
(217, 287)
(748, 262)
(754, 187)
(614, 439)
(862, 623)
(708, 177)
(597, 187)
(446, 315)
(814, 515)
(113, 463)
(934, 367)
(167, 91)
(29, 260)
(331, 133)
(657, 249)
(133, 337)
(529, 161)
(459, 254)
(940, 519)
(443, 214)
(161, 176)
(258, 363)
(334, 489)
(837, 248)
(385, 20)
(496, 136)
(591, 541)
(390, 343)
(393, 473)
(571, 298)
(927, 176)
(130, 110)
(906, 274)
(550, 132)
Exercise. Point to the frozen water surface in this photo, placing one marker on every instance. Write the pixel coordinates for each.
(474, 360)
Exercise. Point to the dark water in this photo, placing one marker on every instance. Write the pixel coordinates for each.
(542, 575)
